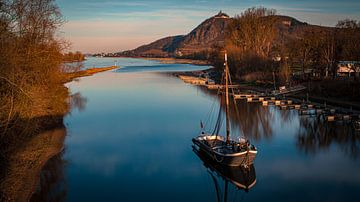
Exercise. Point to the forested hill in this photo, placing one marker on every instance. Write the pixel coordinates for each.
(202, 38)
(211, 33)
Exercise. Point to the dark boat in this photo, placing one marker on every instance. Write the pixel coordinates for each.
(224, 150)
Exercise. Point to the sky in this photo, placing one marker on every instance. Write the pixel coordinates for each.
(116, 25)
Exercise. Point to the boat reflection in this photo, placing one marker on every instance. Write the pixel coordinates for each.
(313, 134)
(242, 178)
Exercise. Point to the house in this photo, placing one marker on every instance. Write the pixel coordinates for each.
(221, 15)
(348, 68)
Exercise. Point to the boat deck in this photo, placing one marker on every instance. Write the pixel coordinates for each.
(222, 147)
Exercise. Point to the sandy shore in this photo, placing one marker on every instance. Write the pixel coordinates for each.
(88, 72)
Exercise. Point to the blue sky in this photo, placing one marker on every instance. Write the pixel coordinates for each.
(115, 25)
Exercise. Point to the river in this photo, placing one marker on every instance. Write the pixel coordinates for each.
(129, 139)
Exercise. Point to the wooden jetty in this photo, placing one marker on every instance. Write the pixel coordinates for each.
(277, 98)
(329, 114)
(193, 80)
(218, 86)
(284, 91)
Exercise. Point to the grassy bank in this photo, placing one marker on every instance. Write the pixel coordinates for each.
(88, 72)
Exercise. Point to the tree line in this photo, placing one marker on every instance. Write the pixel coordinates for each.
(257, 46)
(73, 57)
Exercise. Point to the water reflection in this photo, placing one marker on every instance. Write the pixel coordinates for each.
(52, 185)
(241, 178)
(132, 143)
(257, 122)
(77, 101)
(315, 134)
(248, 119)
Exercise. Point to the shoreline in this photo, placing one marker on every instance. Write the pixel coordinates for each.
(343, 104)
(28, 156)
(27, 162)
(179, 61)
(170, 60)
(88, 72)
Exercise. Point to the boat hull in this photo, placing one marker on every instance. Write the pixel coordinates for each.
(240, 158)
(243, 178)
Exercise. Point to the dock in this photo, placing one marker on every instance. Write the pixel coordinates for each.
(193, 80)
(328, 113)
(285, 91)
(204, 82)
(277, 99)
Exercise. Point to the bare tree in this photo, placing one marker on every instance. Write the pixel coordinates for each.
(30, 58)
(249, 40)
(251, 31)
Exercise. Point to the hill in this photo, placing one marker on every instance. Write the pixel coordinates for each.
(210, 33)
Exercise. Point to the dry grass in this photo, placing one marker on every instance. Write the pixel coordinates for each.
(87, 72)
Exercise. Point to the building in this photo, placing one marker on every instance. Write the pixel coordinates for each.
(221, 15)
(348, 68)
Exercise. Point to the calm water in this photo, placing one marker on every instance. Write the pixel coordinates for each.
(131, 141)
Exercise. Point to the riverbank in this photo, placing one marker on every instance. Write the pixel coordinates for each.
(179, 61)
(25, 149)
(26, 162)
(88, 72)
(336, 94)
(170, 60)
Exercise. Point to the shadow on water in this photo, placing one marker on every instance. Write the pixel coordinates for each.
(52, 185)
(23, 162)
(36, 154)
(242, 179)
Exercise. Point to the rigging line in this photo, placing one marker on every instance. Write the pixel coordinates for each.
(219, 119)
(236, 109)
(210, 113)
(217, 125)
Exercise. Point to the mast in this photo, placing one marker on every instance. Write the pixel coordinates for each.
(227, 99)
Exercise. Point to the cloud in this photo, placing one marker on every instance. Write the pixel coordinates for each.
(142, 21)
(115, 31)
(319, 18)
(114, 3)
